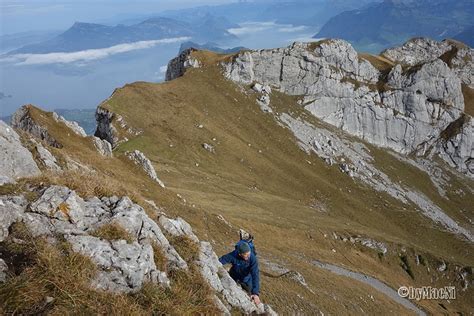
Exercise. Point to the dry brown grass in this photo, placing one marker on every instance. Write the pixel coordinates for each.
(189, 295)
(113, 231)
(55, 280)
(186, 247)
(468, 94)
(159, 257)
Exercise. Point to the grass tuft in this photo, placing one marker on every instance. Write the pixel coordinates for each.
(113, 231)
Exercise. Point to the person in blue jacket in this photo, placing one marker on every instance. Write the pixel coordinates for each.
(244, 269)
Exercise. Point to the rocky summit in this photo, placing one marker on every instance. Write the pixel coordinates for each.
(353, 172)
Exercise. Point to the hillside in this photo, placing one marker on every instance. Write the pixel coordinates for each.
(342, 216)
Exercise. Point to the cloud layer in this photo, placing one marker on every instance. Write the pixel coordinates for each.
(86, 55)
(253, 27)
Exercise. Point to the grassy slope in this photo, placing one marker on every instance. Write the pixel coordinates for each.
(260, 180)
(269, 192)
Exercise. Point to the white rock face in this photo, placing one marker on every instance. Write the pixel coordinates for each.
(407, 111)
(103, 147)
(124, 267)
(141, 160)
(47, 158)
(3, 271)
(421, 50)
(15, 160)
(74, 126)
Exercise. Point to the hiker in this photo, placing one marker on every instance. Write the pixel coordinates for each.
(244, 268)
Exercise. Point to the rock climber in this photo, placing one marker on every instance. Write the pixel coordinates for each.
(244, 269)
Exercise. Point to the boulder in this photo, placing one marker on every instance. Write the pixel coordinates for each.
(15, 160)
(142, 161)
(47, 158)
(103, 146)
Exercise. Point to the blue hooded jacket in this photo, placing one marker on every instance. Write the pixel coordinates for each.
(243, 271)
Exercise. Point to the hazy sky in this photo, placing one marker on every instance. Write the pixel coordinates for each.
(28, 15)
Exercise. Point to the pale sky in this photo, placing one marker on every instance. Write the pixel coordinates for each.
(27, 15)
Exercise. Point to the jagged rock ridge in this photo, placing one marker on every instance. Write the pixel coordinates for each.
(409, 110)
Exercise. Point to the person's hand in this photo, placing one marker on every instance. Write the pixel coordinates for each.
(255, 298)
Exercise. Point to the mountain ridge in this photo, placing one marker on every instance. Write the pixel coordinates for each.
(236, 146)
(82, 35)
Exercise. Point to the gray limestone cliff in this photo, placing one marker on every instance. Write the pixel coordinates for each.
(409, 109)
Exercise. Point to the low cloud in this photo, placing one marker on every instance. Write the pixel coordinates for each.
(86, 55)
(291, 28)
(254, 27)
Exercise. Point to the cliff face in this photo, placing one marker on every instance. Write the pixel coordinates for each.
(406, 103)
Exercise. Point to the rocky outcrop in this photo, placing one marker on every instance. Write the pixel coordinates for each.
(142, 161)
(215, 274)
(23, 120)
(458, 56)
(3, 271)
(406, 110)
(74, 126)
(105, 129)
(103, 147)
(47, 158)
(177, 66)
(15, 160)
(124, 264)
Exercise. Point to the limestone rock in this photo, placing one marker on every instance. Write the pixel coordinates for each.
(407, 110)
(3, 271)
(47, 158)
(123, 266)
(141, 160)
(103, 146)
(22, 119)
(416, 51)
(74, 126)
(208, 147)
(177, 227)
(459, 57)
(11, 211)
(15, 160)
(177, 66)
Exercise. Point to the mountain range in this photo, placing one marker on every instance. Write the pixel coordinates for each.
(83, 36)
(392, 22)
